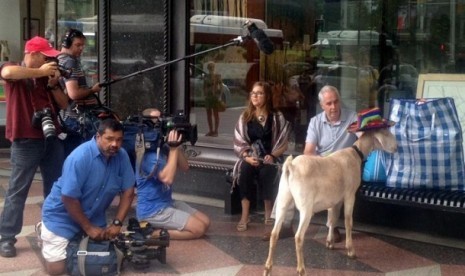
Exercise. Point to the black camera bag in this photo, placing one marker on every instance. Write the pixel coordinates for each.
(140, 135)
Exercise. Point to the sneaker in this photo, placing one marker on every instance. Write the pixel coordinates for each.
(38, 230)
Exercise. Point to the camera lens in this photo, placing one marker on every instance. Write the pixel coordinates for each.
(48, 127)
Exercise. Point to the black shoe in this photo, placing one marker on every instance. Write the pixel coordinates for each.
(7, 249)
(286, 232)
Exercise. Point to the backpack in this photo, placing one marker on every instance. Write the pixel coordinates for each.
(88, 257)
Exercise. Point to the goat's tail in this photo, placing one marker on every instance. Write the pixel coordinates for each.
(286, 170)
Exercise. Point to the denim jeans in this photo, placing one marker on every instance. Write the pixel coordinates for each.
(26, 156)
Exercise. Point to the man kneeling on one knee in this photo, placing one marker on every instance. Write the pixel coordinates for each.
(93, 174)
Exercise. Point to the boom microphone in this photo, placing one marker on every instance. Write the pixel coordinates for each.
(261, 39)
(264, 44)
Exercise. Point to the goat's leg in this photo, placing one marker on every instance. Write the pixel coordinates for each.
(283, 200)
(348, 222)
(305, 217)
(333, 215)
(273, 240)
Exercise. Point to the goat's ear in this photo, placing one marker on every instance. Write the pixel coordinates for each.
(377, 143)
(380, 137)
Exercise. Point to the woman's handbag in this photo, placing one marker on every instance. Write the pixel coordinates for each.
(429, 145)
(221, 106)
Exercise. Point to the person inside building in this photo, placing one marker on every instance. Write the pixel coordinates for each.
(154, 181)
(31, 91)
(80, 198)
(260, 139)
(326, 133)
(213, 86)
(76, 87)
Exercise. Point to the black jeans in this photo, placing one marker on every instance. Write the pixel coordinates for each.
(265, 175)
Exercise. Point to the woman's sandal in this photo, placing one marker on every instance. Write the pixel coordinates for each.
(269, 221)
(241, 227)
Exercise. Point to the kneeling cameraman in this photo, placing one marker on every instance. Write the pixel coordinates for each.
(154, 194)
(94, 173)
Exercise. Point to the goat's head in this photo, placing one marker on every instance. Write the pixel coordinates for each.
(384, 140)
(373, 139)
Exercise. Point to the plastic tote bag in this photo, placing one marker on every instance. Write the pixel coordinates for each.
(374, 169)
(429, 140)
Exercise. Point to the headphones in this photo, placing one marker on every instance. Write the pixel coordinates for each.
(69, 36)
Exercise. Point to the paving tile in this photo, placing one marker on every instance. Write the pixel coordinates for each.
(224, 251)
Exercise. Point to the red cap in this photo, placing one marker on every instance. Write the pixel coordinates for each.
(40, 44)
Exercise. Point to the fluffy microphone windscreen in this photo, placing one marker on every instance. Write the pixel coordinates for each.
(261, 39)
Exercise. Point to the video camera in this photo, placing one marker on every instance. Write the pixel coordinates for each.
(164, 124)
(138, 245)
(64, 72)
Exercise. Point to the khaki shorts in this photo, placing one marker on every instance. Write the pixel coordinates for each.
(174, 217)
(53, 246)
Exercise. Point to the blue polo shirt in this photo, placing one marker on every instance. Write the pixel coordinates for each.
(328, 137)
(94, 181)
(152, 195)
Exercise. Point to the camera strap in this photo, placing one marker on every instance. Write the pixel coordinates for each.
(155, 167)
(140, 150)
(31, 84)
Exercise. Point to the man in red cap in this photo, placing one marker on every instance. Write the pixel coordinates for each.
(33, 99)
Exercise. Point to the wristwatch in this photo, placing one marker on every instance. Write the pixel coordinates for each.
(117, 222)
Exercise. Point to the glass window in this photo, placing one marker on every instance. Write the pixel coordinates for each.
(371, 51)
(136, 43)
(80, 15)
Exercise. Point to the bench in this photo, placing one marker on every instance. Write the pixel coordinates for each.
(427, 211)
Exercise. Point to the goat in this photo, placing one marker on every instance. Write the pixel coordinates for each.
(319, 183)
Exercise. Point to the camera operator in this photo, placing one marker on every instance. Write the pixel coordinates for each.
(154, 181)
(76, 87)
(30, 87)
(80, 198)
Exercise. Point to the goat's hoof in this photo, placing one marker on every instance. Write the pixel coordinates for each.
(267, 271)
(301, 272)
(329, 245)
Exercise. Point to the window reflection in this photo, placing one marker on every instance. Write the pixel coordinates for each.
(81, 17)
(371, 51)
(136, 43)
(237, 66)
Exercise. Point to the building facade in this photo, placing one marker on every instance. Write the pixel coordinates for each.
(155, 54)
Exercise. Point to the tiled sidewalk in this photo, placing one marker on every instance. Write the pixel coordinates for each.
(227, 252)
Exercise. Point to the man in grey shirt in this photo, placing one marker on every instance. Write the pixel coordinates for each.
(75, 86)
(326, 133)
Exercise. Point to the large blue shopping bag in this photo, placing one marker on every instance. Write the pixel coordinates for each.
(374, 169)
(430, 150)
